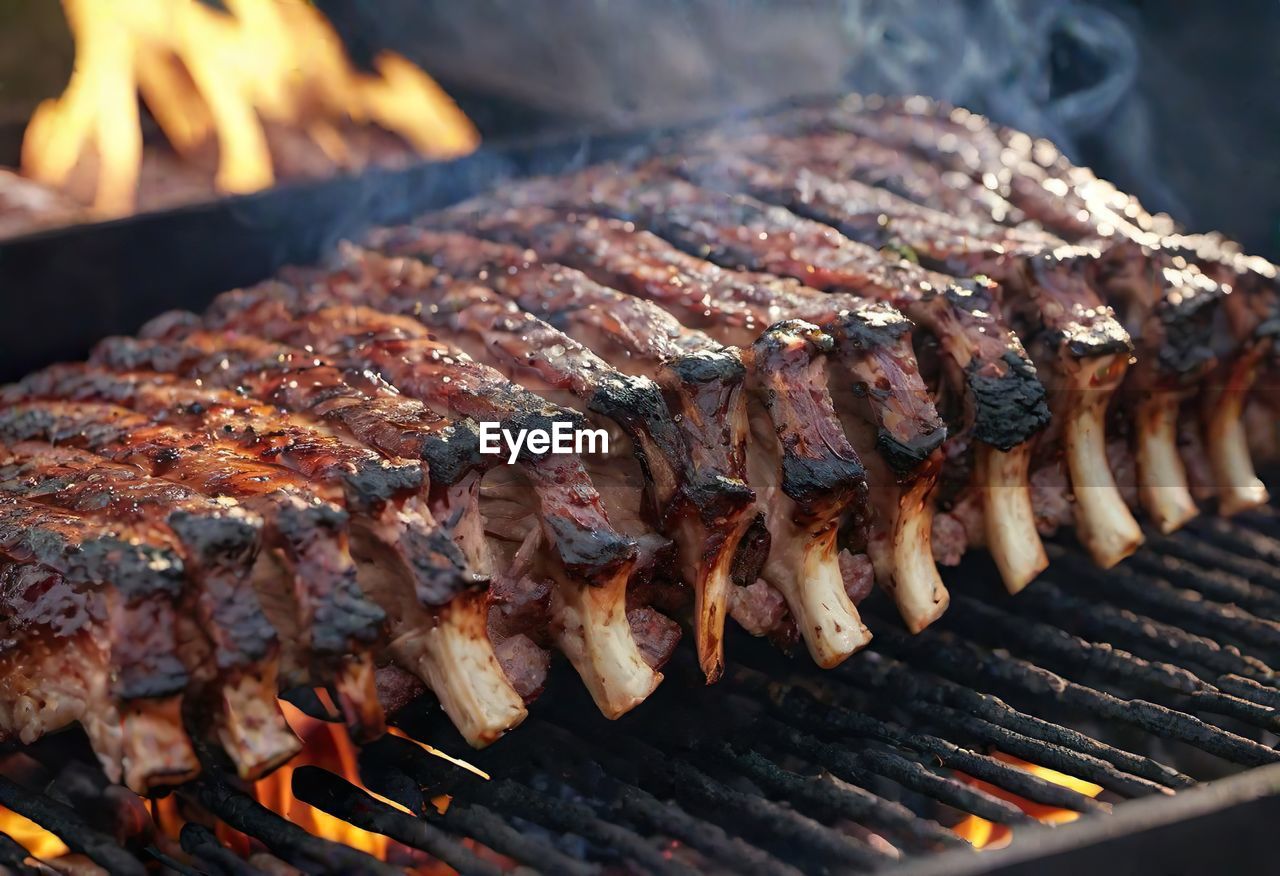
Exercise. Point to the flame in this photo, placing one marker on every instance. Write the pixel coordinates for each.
(324, 745)
(166, 815)
(988, 834)
(39, 842)
(211, 75)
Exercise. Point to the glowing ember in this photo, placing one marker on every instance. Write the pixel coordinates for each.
(435, 752)
(165, 814)
(987, 834)
(31, 836)
(209, 76)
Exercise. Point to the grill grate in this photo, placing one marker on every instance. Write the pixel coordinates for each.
(1143, 680)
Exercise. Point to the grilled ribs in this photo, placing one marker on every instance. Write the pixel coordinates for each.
(231, 649)
(809, 134)
(592, 560)
(1044, 287)
(1169, 312)
(704, 380)
(123, 583)
(384, 496)
(706, 509)
(293, 488)
(453, 653)
(407, 565)
(324, 622)
(806, 476)
(907, 430)
(869, 342)
(1007, 401)
(1072, 202)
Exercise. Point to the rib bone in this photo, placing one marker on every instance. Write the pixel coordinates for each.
(1103, 522)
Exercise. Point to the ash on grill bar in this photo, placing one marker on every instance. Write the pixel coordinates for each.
(910, 514)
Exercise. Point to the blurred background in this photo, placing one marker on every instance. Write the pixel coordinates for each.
(1174, 100)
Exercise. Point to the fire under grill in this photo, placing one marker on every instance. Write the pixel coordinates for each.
(1107, 699)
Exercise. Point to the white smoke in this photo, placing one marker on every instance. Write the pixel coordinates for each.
(1062, 69)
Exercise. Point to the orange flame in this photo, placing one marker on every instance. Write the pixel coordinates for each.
(988, 834)
(39, 842)
(325, 745)
(209, 75)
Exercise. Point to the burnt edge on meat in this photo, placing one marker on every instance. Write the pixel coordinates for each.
(369, 487)
(651, 201)
(345, 619)
(662, 275)
(369, 482)
(557, 236)
(292, 379)
(236, 677)
(596, 635)
(220, 543)
(376, 416)
(1006, 399)
(1008, 409)
(437, 628)
(1186, 347)
(816, 478)
(506, 299)
(878, 332)
(716, 494)
(138, 571)
(638, 406)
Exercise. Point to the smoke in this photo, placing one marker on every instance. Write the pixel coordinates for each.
(1175, 104)
(1059, 66)
(1059, 69)
(1062, 69)
(1006, 57)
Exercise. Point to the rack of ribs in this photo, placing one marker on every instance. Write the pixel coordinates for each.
(802, 340)
(1073, 336)
(308, 592)
(590, 562)
(806, 480)
(871, 343)
(707, 509)
(454, 658)
(1169, 312)
(1072, 202)
(811, 134)
(226, 643)
(705, 380)
(406, 564)
(1252, 322)
(808, 466)
(94, 604)
(642, 263)
(1006, 401)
